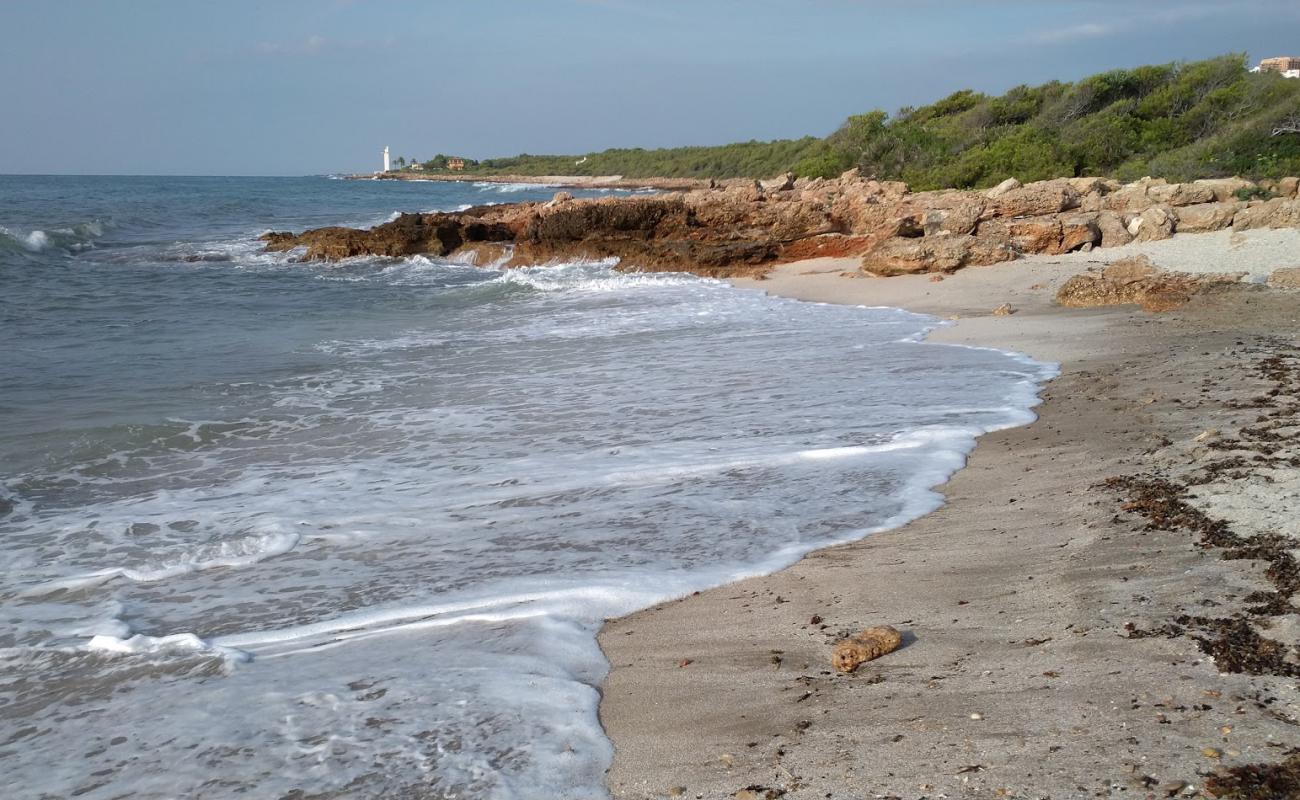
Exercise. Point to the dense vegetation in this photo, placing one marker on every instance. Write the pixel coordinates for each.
(1177, 121)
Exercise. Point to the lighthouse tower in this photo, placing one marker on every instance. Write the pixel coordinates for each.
(386, 165)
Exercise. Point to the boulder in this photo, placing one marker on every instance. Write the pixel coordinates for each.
(1224, 189)
(1114, 233)
(1035, 234)
(1276, 213)
(560, 197)
(1205, 217)
(785, 183)
(1288, 188)
(1093, 185)
(1155, 224)
(951, 212)
(901, 256)
(1181, 194)
(1137, 281)
(1130, 199)
(1079, 232)
(1037, 199)
(1008, 185)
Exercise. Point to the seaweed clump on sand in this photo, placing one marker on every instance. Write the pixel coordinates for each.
(1257, 781)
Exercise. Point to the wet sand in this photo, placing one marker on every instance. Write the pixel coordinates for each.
(1051, 634)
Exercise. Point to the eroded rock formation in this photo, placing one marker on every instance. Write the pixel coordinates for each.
(743, 227)
(1138, 281)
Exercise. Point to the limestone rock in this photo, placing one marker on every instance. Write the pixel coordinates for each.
(785, 183)
(1156, 223)
(1224, 189)
(1285, 278)
(1079, 232)
(1130, 199)
(740, 226)
(1181, 194)
(1037, 199)
(869, 645)
(1137, 281)
(1002, 188)
(1113, 231)
(1035, 234)
(1288, 188)
(903, 256)
(1085, 186)
(951, 212)
(1276, 213)
(1205, 217)
(560, 197)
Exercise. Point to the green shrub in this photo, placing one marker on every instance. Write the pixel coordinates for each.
(1177, 121)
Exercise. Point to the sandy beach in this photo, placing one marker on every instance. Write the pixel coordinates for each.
(1066, 635)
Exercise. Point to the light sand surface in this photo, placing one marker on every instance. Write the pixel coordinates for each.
(1018, 676)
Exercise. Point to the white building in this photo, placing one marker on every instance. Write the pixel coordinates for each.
(387, 166)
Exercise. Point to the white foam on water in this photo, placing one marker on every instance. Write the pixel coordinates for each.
(140, 644)
(385, 573)
(230, 553)
(36, 241)
(512, 188)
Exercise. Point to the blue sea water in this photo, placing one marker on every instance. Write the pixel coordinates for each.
(349, 529)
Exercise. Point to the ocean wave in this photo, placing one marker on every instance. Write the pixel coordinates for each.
(511, 188)
(72, 239)
(238, 552)
(185, 643)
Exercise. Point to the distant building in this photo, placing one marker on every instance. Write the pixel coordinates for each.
(1287, 66)
(417, 166)
(455, 164)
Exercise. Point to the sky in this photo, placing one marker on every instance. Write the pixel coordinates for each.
(294, 87)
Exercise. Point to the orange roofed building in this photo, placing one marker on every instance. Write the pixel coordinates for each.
(455, 164)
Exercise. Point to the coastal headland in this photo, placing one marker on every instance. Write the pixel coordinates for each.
(744, 228)
(1104, 607)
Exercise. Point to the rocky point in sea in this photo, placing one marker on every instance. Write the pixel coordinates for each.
(742, 227)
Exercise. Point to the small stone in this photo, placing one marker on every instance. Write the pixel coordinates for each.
(1211, 752)
(1173, 788)
(1225, 730)
(677, 791)
(977, 716)
(1004, 310)
(1207, 435)
(727, 759)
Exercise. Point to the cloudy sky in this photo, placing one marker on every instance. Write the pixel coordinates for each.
(267, 87)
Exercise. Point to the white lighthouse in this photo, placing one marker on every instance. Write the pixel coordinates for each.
(386, 166)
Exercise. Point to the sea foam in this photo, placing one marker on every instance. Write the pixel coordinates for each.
(369, 551)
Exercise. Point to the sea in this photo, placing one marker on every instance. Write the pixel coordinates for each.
(276, 529)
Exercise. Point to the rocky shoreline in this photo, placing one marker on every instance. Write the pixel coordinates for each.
(740, 229)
